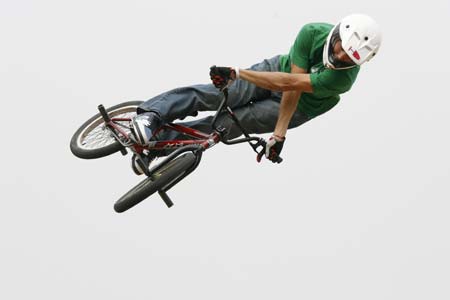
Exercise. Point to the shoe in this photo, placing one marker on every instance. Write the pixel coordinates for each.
(138, 165)
(144, 126)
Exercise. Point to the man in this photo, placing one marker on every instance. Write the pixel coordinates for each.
(279, 93)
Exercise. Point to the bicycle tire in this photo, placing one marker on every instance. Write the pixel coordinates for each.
(169, 173)
(78, 141)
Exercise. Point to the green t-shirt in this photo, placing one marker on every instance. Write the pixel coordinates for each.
(328, 84)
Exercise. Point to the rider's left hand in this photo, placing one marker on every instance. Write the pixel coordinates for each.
(221, 76)
(274, 145)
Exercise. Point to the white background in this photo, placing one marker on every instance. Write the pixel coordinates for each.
(359, 209)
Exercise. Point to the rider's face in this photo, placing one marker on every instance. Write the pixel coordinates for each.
(340, 54)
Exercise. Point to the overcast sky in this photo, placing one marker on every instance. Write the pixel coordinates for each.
(359, 209)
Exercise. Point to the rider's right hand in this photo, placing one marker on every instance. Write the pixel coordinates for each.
(273, 148)
(221, 76)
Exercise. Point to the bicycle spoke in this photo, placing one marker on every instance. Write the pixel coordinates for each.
(98, 136)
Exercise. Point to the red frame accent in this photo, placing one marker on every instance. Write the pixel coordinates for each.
(200, 138)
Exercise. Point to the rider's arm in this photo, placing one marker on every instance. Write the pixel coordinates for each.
(297, 80)
(288, 104)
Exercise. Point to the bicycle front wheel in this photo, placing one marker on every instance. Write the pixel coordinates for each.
(165, 176)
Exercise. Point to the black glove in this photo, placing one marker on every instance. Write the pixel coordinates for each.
(221, 76)
(274, 145)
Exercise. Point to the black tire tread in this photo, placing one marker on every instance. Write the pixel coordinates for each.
(151, 185)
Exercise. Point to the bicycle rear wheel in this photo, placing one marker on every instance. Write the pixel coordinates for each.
(94, 140)
(166, 175)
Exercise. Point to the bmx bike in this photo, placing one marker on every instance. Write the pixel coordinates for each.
(109, 131)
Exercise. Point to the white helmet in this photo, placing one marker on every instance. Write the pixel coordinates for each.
(361, 39)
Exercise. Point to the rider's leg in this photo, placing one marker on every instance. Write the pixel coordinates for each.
(185, 101)
(255, 117)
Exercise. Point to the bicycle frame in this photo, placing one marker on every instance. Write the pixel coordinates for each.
(200, 138)
(204, 140)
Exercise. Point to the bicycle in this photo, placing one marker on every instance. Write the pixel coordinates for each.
(109, 131)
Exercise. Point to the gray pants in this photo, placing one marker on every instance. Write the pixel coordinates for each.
(256, 108)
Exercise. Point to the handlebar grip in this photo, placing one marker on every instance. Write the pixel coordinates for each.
(104, 114)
